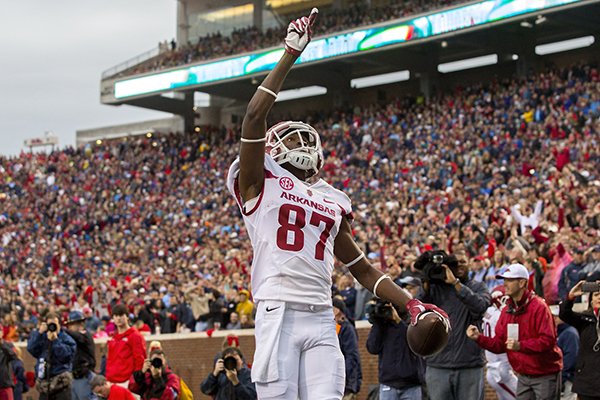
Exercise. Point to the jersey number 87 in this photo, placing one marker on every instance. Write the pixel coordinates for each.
(296, 226)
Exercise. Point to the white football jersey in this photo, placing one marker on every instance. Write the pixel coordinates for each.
(292, 226)
(490, 319)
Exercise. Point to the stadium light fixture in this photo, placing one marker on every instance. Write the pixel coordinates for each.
(515, 57)
(540, 19)
(382, 79)
(300, 93)
(526, 24)
(564, 45)
(468, 63)
(444, 44)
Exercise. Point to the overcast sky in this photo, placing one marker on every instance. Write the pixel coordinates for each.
(52, 55)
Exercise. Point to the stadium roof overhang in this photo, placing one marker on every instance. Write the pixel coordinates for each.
(505, 37)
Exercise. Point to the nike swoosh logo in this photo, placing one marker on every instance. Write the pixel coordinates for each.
(327, 201)
(272, 309)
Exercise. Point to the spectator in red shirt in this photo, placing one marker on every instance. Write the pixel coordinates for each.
(126, 349)
(103, 388)
(534, 354)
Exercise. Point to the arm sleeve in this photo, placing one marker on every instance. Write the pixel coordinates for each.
(246, 390)
(172, 388)
(546, 338)
(209, 386)
(476, 299)
(137, 383)
(568, 316)
(138, 350)
(35, 344)
(497, 344)
(375, 339)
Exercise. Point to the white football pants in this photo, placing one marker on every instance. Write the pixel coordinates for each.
(503, 380)
(309, 361)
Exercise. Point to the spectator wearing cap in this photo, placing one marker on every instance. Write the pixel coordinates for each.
(7, 356)
(568, 342)
(571, 274)
(109, 391)
(126, 349)
(533, 352)
(413, 284)
(587, 323)
(348, 339)
(84, 362)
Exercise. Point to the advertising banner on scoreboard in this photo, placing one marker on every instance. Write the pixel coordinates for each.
(328, 47)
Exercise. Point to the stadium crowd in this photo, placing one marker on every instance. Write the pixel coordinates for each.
(506, 171)
(242, 40)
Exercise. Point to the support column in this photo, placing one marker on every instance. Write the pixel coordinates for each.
(257, 17)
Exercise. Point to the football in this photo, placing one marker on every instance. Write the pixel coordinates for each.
(429, 336)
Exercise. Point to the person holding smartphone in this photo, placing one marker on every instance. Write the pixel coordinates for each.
(587, 323)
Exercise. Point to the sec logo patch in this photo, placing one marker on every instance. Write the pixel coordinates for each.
(286, 183)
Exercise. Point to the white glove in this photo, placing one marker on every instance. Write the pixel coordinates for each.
(299, 33)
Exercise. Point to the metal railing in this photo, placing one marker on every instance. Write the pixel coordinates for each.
(131, 62)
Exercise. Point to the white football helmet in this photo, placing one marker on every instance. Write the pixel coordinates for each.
(307, 157)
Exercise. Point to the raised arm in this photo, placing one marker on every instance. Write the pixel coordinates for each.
(254, 126)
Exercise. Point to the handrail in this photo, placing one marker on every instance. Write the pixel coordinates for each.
(131, 62)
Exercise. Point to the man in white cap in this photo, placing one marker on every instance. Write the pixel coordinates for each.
(527, 333)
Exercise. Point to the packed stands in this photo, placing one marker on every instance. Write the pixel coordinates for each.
(251, 38)
(147, 220)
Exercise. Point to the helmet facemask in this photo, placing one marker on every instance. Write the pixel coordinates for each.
(308, 156)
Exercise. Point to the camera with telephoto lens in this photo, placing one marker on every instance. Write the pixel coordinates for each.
(431, 264)
(52, 327)
(230, 363)
(157, 362)
(379, 311)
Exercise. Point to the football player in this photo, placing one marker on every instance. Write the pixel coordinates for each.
(297, 224)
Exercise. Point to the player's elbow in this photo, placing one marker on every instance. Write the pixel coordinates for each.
(256, 113)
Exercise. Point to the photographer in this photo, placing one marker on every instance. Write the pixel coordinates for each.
(85, 356)
(230, 379)
(587, 373)
(400, 371)
(457, 371)
(54, 352)
(155, 380)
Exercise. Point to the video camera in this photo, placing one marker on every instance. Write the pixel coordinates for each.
(431, 264)
(379, 311)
